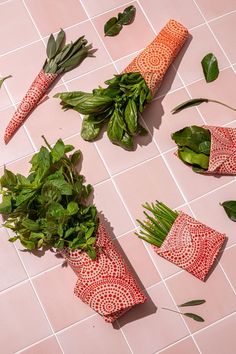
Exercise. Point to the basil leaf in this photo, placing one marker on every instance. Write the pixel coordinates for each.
(115, 127)
(51, 47)
(190, 157)
(190, 103)
(5, 205)
(89, 131)
(192, 303)
(58, 151)
(112, 27)
(127, 142)
(131, 116)
(194, 316)
(210, 67)
(128, 15)
(230, 209)
(3, 79)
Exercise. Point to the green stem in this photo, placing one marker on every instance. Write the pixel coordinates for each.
(165, 308)
(223, 104)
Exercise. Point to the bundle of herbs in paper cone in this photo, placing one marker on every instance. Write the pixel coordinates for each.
(117, 106)
(207, 149)
(181, 239)
(61, 58)
(48, 209)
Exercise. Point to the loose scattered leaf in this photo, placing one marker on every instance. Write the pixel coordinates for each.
(194, 316)
(3, 79)
(190, 103)
(192, 303)
(230, 209)
(210, 67)
(114, 25)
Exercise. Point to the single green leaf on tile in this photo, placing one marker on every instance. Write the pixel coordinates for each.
(192, 303)
(114, 25)
(127, 16)
(230, 209)
(3, 79)
(190, 103)
(210, 67)
(194, 316)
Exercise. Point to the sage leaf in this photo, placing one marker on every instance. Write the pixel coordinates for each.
(51, 47)
(3, 79)
(60, 40)
(128, 15)
(210, 67)
(192, 303)
(190, 103)
(194, 316)
(230, 209)
(112, 27)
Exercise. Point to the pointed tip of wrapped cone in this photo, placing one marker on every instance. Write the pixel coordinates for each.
(7, 138)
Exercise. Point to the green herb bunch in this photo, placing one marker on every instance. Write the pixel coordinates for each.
(117, 106)
(47, 208)
(157, 224)
(63, 57)
(194, 144)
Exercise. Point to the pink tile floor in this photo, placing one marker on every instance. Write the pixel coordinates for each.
(39, 314)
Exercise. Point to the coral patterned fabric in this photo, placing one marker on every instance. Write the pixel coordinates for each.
(155, 59)
(105, 284)
(33, 96)
(223, 150)
(191, 245)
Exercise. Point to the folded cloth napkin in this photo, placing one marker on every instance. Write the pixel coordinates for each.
(105, 284)
(153, 62)
(191, 245)
(222, 159)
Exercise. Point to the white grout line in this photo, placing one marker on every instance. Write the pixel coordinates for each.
(35, 343)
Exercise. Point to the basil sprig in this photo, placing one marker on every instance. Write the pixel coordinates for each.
(63, 57)
(117, 107)
(47, 208)
(113, 26)
(194, 144)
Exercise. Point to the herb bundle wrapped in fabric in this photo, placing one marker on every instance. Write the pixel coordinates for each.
(48, 210)
(208, 149)
(118, 105)
(61, 58)
(181, 239)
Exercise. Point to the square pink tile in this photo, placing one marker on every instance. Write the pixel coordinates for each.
(19, 145)
(189, 60)
(48, 346)
(193, 184)
(223, 29)
(20, 306)
(219, 338)
(51, 15)
(186, 346)
(4, 98)
(216, 217)
(101, 57)
(227, 262)
(10, 264)
(157, 328)
(219, 296)
(95, 8)
(126, 42)
(17, 28)
(50, 120)
(93, 335)
(139, 259)
(220, 8)
(147, 182)
(183, 11)
(220, 90)
(89, 153)
(23, 65)
(55, 289)
(110, 206)
(162, 123)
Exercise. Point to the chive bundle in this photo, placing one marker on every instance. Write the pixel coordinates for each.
(157, 225)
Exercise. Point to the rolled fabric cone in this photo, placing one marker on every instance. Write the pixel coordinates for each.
(153, 62)
(105, 284)
(32, 98)
(191, 246)
(222, 160)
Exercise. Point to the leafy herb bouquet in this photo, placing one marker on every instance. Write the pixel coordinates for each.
(117, 106)
(47, 208)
